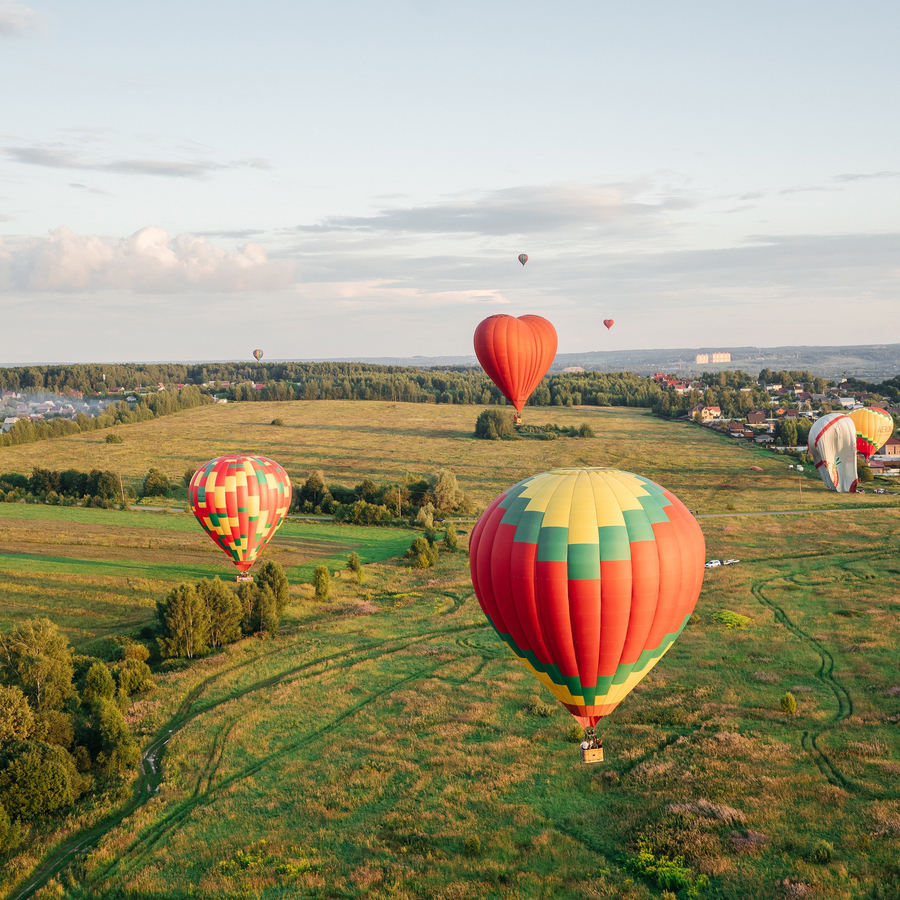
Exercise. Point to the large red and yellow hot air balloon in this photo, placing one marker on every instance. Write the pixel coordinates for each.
(240, 501)
(873, 427)
(515, 353)
(588, 575)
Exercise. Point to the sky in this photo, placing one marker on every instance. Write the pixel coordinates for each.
(193, 180)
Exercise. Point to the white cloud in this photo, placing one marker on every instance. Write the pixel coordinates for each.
(17, 18)
(523, 210)
(149, 261)
(55, 157)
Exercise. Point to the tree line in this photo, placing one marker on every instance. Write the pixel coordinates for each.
(150, 406)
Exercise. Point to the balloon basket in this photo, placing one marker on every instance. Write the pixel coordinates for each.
(592, 756)
(517, 419)
(243, 577)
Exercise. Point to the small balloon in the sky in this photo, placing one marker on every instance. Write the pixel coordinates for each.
(523, 258)
(257, 355)
(608, 323)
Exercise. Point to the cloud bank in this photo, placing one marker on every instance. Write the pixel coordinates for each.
(149, 261)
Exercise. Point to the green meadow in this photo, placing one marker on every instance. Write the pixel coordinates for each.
(387, 745)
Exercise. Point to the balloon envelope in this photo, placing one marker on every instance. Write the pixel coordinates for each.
(523, 258)
(873, 427)
(832, 445)
(515, 353)
(609, 323)
(588, 575)
(257, 355)
(240, 501)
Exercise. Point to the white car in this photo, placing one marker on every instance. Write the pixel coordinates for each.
(729, 562)
(714, 564)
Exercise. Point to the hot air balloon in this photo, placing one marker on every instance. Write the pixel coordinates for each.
(588, 576)
(515, 353)
(608, 323)
(523, 258)
(832, 445)
(873, 427)
(257, 355)
(240, 501)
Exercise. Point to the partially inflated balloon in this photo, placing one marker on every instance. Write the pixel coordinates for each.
(873, 427)
(832, 445)
(257, 355)
(523, 258)
(515, 353)
(608, 323)
(240, 501)
(588, 575)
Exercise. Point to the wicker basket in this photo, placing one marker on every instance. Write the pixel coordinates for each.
(592, 756)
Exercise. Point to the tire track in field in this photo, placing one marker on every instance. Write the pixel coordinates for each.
(146, 843)
(150, 769)
(825, 674)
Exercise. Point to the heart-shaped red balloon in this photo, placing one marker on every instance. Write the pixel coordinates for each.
(515, 353)
(608, 323)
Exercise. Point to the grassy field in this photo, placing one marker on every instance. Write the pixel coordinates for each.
(387, 745)
(350, 441)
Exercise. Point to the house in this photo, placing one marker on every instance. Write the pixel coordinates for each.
(756, 417)
(736, 429)
(891, 448)
(847, 402)
(792, 413)
(764, 439)
(708, 413)
(8, 422)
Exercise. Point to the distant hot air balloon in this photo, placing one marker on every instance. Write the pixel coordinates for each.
(608, 323)
(873, 427)
(588, 575)
(832, 445)
(257, 355)
(515, 353)
(240, 501)
(523, 258)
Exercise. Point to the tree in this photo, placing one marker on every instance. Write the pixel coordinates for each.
(248, 596)
(188, 475)
(185, 623)
(37, 779)
(353, 563)
(494, 425)
(445, 493)
(322, 582)
(225, 612)
(16, 716)
(156, 484)
(314, 490)
(271, 574)
(425, 516)
(422, 553)
(267, 610)
(133, 677)
(9, 832)
(866, 475)
(38, 659)
(98, 684)
(52, 726)
(450, 539)
(112, 740)
(789, 704)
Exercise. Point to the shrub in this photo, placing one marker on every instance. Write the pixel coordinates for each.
(134, 677)
(425, 516)
(450, 540)
(536, 707)
(822, 852)
(353, 562)
(114, 439)
(422, 553)
(866, 476)
(322, 582)
(494, 425)
(156, 484)
(98, 684)
(188, 475)
(472, 845)
(575, 734)
(731, 619)
(789, 704)
(585, 431)
(37, 779)
(278, 422)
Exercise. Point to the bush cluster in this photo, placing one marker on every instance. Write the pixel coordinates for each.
(61, 721)
(195, 619)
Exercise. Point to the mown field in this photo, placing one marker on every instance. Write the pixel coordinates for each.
(386, 744)
(350, 441)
